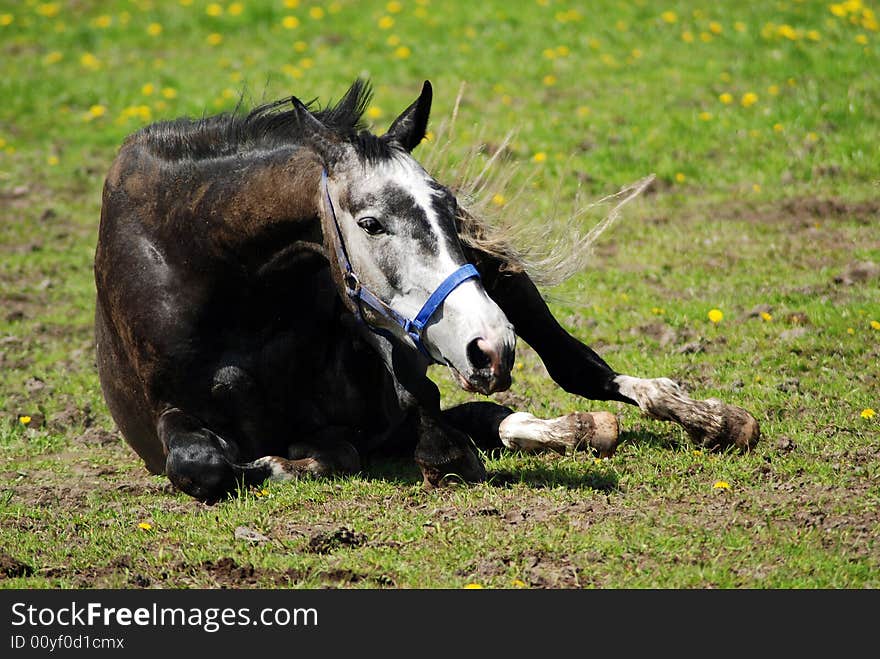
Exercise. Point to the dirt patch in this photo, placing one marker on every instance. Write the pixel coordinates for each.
(324, 543)
(11, 568)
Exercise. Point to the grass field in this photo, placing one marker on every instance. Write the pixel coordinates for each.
(762, 124)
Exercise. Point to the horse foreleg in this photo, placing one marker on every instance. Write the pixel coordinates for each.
(492, 426)
(579, 370)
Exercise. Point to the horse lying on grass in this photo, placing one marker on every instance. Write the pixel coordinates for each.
(272, 288)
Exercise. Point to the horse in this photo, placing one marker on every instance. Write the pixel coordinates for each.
(273, 286)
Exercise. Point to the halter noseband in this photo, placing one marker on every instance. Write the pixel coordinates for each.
(360, 294)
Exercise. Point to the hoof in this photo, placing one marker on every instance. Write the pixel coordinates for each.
(467, 470)
(459, 463)
(598, 430)
(734, 427)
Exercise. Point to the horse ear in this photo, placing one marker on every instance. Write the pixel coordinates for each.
(409, 128)
(321, 136)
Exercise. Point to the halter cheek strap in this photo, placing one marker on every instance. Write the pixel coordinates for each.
(360, 294)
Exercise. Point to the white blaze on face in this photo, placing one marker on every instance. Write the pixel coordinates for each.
(420, 251)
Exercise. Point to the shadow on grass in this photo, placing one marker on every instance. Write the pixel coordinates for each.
(650, 439)
(575, 475)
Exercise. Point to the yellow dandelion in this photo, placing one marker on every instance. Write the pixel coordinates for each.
(103, 21)
(145, 526)
(519, 366)
(766, 316)
(539, 157)
(739, 26)
(53, 58)
(235, 9)
(705, 37)
(518, 583)
(778, 128)
(148, 89)
(749, 99)
(669, 17)
(154, 29)
(658, 311)
(393, 40)
(290, 22)
(687, 36)
(583, 111)
(89, 61)
(473, 586)
(6, 19)
(726, 98)
(549, 53)
(48, 9)
(402, 52)
(867, 413)
(721, 485)
(697, 452)
(394, 7)
(705, 116)
(787, 32)
(499, 199)
(813, 35)
(562, 51)
(52, 161)
(850, 330)
(680, 178)
(862, 39)
(635, 53)
(291, 4)
(169, 92)
(374, 112)
(715, 315)
(549, 80)
(756, 187)
(386, 23)
(875, 324)
(300, 46)
(96, 111)
(715, 27)
(837, 9)
(24, 420)
(214, 9)
(316, 13)
(773, 90)
(214, 39)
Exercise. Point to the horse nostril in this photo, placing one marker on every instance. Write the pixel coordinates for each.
(479, 354)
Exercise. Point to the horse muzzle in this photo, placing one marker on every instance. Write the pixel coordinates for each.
(489, 366)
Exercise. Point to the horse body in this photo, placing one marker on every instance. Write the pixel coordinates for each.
(229, 352)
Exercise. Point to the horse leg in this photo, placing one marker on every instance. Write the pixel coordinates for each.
(205, 466)
(441, 450)
(579, 370)
(491, 426)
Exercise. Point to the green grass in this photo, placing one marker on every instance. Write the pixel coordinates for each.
(755, 204)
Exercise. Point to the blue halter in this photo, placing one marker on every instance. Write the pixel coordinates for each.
(360, 294)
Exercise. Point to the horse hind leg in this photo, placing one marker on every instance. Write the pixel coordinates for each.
(710, 423)
(492, 426)
(205, 466)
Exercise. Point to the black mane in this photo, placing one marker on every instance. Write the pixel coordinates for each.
(265, 127)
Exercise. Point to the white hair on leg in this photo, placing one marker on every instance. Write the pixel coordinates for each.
(522, 431)
(710, 422)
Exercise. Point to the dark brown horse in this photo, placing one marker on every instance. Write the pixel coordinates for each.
(271, 289)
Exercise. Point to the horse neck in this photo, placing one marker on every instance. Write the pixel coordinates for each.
(266, 194)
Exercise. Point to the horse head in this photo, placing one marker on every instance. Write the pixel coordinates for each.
(390, 229)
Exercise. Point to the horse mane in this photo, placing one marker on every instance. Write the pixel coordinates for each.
(267, 126)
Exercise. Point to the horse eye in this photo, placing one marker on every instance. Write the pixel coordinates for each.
(371, 225)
